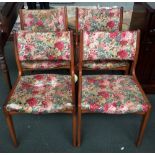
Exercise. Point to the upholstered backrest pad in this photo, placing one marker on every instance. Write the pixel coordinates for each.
(99, 19)
(112, 46)
(44, 20)
(43, 45)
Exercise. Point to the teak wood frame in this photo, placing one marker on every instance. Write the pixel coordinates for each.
(80, 111)
(123, 68)
(9, 114)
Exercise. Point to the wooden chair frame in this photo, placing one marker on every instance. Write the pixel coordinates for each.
(65, 17)
(124, 68)
(80, 111)
(8, 115)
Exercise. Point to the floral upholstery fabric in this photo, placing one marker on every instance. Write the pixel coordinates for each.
(44, 20)
(99, 19)
(105, 64)
(43, 46)
(111, 46)
(43, 64)
(42, 93)
(114, 94)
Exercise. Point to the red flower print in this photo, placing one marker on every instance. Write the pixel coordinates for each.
(105, 107)
(104, 94)
(51, 57)
(59, 45)
(59, 34)
(45, 103)
(39, 23)
(123, 34)
(122, 54)
(111, 14)
(94, 107)
(113, 34)
(123, 42)
(111, 24)
(25, 85)
(90, 80)
(32, 102)
(30, 15)
(39, 77)
(145, 107)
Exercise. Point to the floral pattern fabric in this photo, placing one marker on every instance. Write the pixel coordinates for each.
(44, 20)
(105, 64)
(42, 93)
(109, 45)
(113, 94)
(44, 64)
(43, 46)
(99, 19)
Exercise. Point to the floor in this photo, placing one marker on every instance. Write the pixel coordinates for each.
(53, 132)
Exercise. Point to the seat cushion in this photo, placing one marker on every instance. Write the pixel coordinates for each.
(42, 93)
(43, 64)
(114, 94)
(105, 64)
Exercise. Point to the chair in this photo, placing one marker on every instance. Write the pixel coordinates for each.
(42, 93)
(41, 21)
(111, 94)
(109, 20)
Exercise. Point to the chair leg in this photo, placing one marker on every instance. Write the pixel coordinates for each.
(11, 128)
(79, 128)
(142, 128)
(74, 128)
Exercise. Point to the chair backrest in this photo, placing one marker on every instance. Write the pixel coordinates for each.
(40, 46)
(120, 45)
(99, 19)
(44, 20)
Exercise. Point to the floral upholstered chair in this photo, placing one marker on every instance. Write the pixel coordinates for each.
(40, 21)
(109, 20)
(42, 93)
(111, 94)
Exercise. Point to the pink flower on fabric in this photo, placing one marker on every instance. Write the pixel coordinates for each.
(105, 107)
(59, 45)
(45, 104)
(111, 14)
(104, 94)
(123, 42)
(113, 34)
(58, 34)
(51, 57)
(32, 102)
(39, 23)
(30, 15)
(39, 77)
(94, 107)
(145, 107)
(111, 24)
(122, 54)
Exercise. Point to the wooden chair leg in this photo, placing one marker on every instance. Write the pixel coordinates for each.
(126, 72)
(142, 128)
(11, 128)
(74, 129)
(79, 128)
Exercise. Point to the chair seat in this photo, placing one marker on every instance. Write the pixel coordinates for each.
(114, 94)
(43, 64)
(105, 64)
(42, 93)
